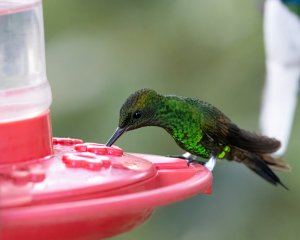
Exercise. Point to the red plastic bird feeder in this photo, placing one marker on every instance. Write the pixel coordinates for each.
(61, 188)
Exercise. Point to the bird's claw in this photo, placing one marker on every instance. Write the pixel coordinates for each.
(177, 156)
(190, 159)
(210, 164)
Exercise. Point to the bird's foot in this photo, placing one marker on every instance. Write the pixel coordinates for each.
(176, 156)
(189, 158)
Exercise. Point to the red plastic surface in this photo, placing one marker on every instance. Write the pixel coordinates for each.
(90, 191)
(25, 139)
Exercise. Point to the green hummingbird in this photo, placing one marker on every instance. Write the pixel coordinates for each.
(200, 129)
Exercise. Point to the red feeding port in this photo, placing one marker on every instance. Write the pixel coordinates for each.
(78, 194)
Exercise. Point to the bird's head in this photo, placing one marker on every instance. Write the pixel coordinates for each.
(137, 111)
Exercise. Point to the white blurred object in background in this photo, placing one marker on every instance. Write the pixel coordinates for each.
(282, 44)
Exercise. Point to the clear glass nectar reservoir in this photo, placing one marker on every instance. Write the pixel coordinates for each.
(24, 89)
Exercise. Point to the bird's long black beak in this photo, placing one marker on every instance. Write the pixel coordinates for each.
(118, 133)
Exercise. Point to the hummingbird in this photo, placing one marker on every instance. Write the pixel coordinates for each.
(201, 130)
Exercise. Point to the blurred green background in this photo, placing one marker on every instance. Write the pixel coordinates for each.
(98, 52)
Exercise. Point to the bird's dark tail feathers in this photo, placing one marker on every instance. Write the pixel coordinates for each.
(250, 141)
(261, 164)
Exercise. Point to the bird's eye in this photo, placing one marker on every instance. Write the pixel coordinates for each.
(137, 114)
